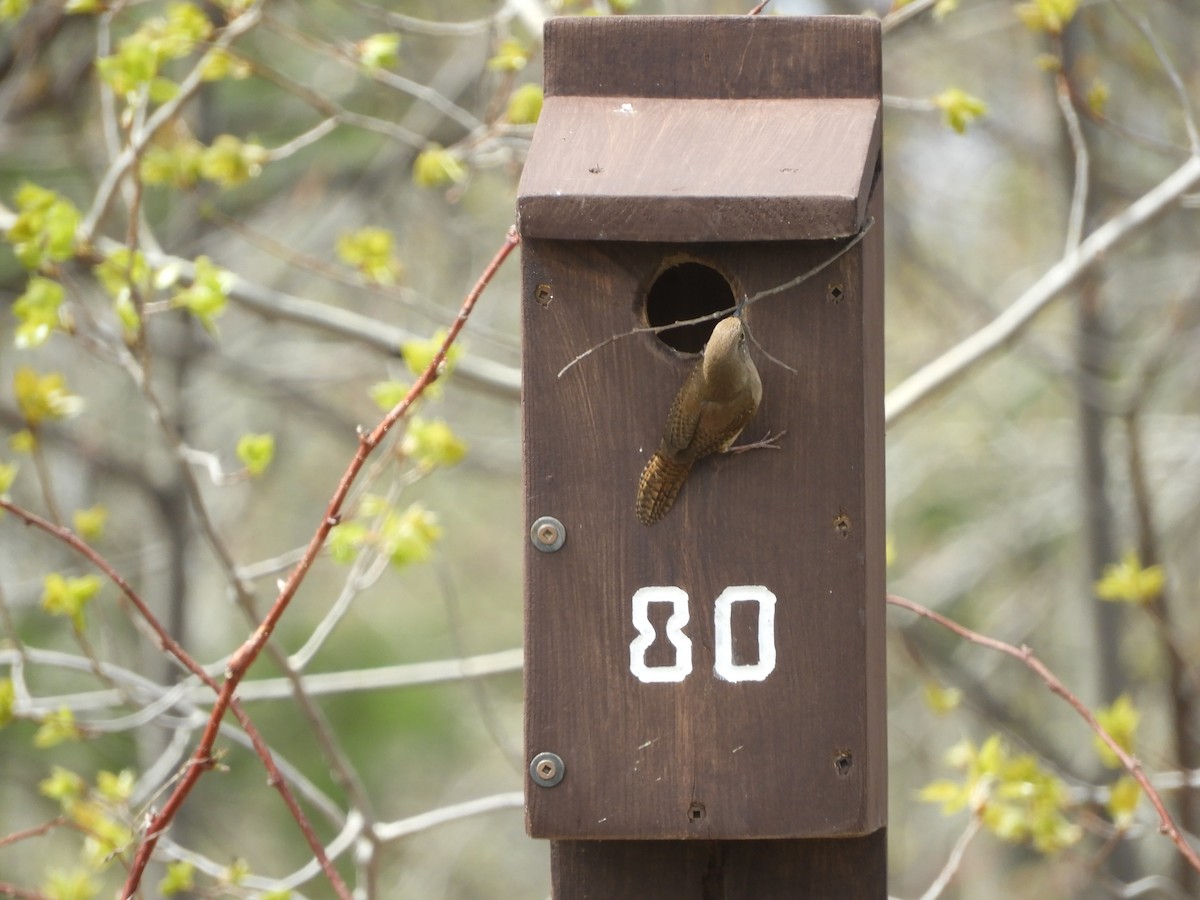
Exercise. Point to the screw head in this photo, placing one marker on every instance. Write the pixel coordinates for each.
(548, 534)
(547, 769)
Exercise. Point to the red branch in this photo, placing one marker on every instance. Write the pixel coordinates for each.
(241, 661)
(274, 776)
(1166, 824)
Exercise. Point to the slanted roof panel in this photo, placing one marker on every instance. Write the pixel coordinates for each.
(669, 169)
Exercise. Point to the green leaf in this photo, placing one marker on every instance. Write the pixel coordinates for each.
(432, 444)
(55, 728)
(959, 108)
(44, 230)
(943, 8)
(8, 700)
(1123, 799)
(230, 162)
(221, 65)
(1049, 16)
(941, 699)
(346, 540)
(89, 523)
(179, 878)
(77, 884)
(1120, 720)
(76, 7)
(370, 251)
(510, 56)
(42, 397)
(419, 354)
(37, 311)
(63, 785)
(1097, 96)
(69, 596)
(206, 297)
(256, 452)
(1128, 582)
(8, 474)
(386, 394)
(408, 537)
(115, 787)
(435, 166)
(379, 51)
(237, 872)
(12, 9)
(525, 105)
(177, 165)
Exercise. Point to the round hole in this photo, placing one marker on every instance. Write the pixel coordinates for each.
(687, 291)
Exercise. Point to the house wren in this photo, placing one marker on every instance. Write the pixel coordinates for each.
(720, 396)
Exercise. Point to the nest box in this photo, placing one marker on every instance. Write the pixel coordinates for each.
(719, 674)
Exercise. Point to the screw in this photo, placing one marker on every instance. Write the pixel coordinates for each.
(547, 769)
(836, 292)
(548, 534)
(543, 294)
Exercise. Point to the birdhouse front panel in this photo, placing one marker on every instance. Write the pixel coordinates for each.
(713, 669)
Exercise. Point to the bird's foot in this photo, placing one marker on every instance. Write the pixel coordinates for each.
(768, 442)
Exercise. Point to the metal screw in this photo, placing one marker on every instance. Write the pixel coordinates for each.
(547, 769)
(548, 534)
(543, 293)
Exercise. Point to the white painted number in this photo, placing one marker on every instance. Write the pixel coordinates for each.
(678, 598)
(724, 668)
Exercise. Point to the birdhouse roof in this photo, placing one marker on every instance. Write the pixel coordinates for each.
(703, 128)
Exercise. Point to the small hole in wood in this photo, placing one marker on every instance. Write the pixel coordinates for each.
(543, 294)
(836, 293)
(696, 812)
(685, 291)
(841, 524)
(843, 762)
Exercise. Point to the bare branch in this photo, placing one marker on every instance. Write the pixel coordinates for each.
(965, 355)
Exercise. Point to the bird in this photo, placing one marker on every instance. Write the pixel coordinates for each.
(719, 397)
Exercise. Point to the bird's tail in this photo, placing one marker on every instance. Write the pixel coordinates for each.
(658, 487)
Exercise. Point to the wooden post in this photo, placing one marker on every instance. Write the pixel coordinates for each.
(705, 697)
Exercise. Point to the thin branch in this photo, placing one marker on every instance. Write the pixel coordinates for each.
(198, 763)
(393, 831)
(1185, 99)
(954, 861)
(1079, 193)
(965, 355)
(1024, 655)
(250, 650)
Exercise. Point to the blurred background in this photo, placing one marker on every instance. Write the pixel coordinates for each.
(233, 229)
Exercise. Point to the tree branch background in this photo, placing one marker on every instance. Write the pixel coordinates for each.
(262, 214)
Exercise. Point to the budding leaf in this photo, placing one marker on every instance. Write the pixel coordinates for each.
(1128, 582)
(256, 452)
(525, 105)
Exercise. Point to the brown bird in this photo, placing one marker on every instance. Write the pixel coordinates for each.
(720, 396)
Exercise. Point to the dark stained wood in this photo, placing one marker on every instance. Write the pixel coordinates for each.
(846, 869)
(607, 168)
(746, 145)
(727, 57)
(805, 521)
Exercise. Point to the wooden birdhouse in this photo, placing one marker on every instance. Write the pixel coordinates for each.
(718, 674)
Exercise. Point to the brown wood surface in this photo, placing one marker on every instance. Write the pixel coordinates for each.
(608, 168)
(759, 759)
(731, 57)
(845, 869)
